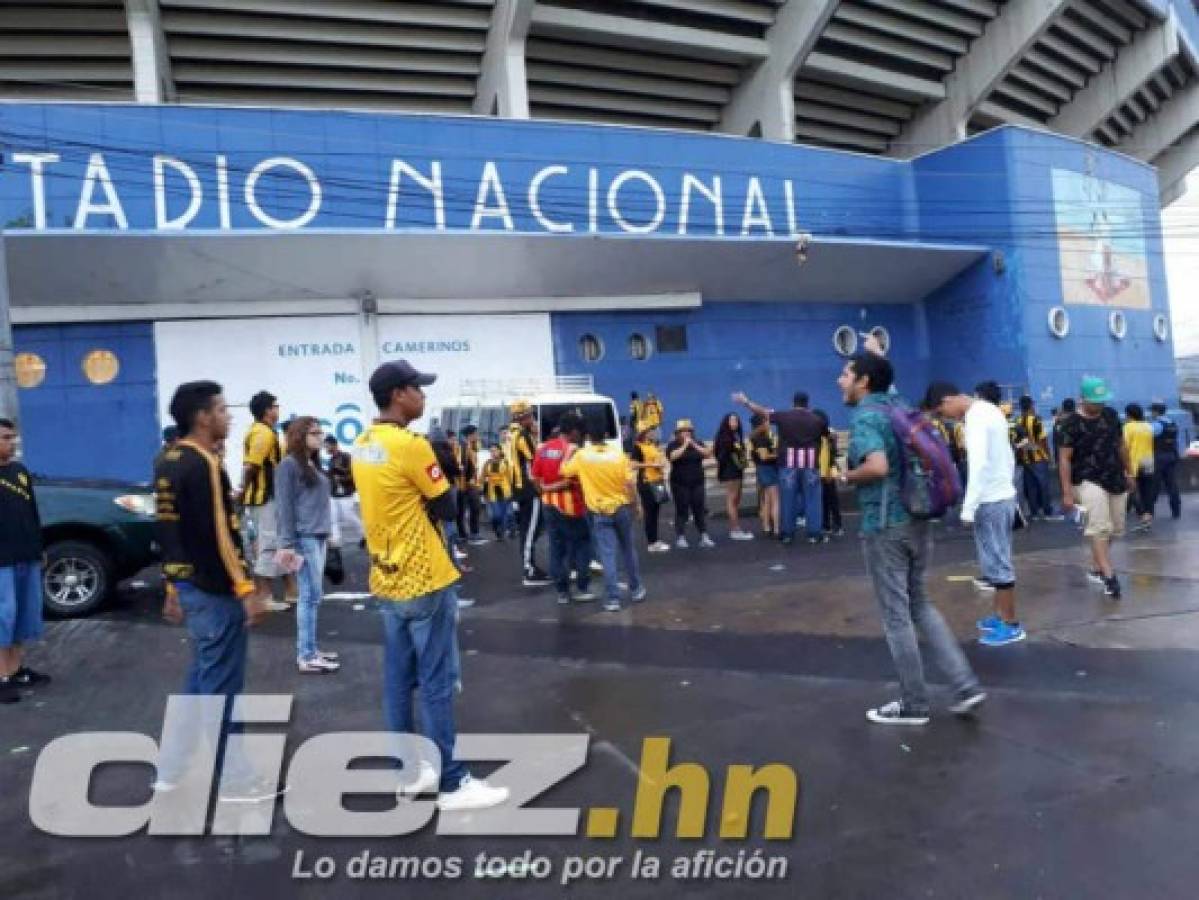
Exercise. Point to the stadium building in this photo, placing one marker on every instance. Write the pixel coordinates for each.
(688, 197)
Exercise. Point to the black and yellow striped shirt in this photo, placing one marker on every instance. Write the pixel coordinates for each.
(261, 448)
(521, 451)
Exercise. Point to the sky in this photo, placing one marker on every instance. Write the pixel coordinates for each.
(1180, 223)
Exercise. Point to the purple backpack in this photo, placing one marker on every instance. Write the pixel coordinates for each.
(930, 484)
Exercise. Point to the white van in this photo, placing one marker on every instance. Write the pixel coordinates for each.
(487, 405)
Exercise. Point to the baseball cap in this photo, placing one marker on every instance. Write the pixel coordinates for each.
(1094, 390)
(398, 374)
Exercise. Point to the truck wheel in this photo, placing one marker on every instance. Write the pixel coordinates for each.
(76, 578)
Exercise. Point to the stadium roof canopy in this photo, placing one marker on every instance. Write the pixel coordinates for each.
(886, 77)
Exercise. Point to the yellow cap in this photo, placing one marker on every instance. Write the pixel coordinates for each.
(520, 408)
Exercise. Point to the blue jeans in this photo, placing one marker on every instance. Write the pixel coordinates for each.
(311, 579)
(800, 490)
(216, 628)
(1036, 489)
(20, 603)
(500, 513)
(570, 548)
(896, 558)
(993, 541)
(614, 539)
(418, 653)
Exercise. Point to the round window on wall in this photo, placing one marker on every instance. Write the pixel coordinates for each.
(101, 366)
(845, 341)
(883, 337)
(1161, 328)
(31, 370)
(1117, 325)
(591, 348)
(1059, 322)
(639, 347)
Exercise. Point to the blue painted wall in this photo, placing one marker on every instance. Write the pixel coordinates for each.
(768, 350)
(71, 427)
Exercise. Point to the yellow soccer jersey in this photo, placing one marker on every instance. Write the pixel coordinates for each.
(396, 472)
(262, 448)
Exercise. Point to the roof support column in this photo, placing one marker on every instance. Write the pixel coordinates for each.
(152, 82)
(1150, 51)
(763, 104)
(991, 57)
(503, 85)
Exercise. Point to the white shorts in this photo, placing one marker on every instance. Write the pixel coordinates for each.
(260, 522)
(1105, 511)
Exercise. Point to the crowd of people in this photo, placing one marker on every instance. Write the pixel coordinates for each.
(422, 502)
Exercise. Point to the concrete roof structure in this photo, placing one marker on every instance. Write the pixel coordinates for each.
(886, 77)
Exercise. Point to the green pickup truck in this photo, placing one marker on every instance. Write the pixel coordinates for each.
(96, 533)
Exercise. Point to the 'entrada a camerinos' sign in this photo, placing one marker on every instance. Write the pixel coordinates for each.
(290, 192)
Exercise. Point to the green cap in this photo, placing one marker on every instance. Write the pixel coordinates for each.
(1094, 390)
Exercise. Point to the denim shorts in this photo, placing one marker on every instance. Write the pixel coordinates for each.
(993, 540)
(20, 603)
(768, 476)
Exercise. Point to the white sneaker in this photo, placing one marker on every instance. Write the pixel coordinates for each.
(278, 606)
(583, 597)
(465, 602)
(659, 547)
(705, 541)
(318, 664)
(460, 555)
(640, 594)
(681, 543)
(596, 566)
(426, 782)
(330, 655)
(472, 793)
(740, 535)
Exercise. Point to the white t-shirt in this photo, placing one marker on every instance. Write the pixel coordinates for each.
(992, 465)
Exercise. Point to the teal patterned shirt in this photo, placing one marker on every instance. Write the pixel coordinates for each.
(871, 432)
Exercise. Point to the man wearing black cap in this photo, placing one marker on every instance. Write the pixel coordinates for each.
(403, 492)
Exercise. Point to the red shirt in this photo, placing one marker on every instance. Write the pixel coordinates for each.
(546, 465)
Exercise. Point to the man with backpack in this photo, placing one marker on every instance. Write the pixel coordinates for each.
(990, 502)
(1165, 458)
(897, 543)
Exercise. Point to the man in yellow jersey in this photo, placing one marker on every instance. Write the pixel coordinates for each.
(1033, 444)
(403, 493)
(611, 497)
(1138, 436)
(208, 588)
(529, 521)
(261, 453)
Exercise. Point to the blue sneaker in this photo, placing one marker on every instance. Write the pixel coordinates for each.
(1004, 634)
(990, 623)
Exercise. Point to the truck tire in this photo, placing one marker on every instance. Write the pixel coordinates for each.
(76, 579)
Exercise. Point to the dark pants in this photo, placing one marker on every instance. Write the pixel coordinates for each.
(1166, 469)
(800, 492)
(650, 507)
(468, 510)
(1036, 488)
(570, 548)
(689, 503)
(530, 523)
(831, 504)
(1144, 497)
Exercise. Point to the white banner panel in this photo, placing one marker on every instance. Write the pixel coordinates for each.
(315, 364)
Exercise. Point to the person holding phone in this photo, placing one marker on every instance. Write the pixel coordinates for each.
(687, 454)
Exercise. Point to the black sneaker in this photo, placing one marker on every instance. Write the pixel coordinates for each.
(1111, 587)
(535, 578)
(9, 692)
(26, 677)
(895, 713)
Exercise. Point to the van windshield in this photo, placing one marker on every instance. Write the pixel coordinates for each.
(595, 415)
